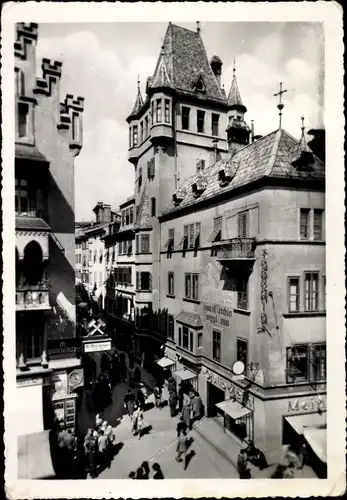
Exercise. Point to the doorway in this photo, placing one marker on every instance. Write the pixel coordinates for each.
(214, 396)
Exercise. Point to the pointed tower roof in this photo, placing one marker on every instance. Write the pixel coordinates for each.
(182, 58)
(302, 155)
(234, 98)
(138, 102)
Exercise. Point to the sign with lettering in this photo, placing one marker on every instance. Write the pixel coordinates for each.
(309, 405)
(64, 348)
(104, 345)
(24, 382)
(217, 314)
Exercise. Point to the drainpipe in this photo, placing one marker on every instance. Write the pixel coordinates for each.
(252, 130)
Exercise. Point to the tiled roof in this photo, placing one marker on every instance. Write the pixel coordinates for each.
(143, 216)
(190, 319)
(138, 103)
(161, 78)
(234, 98)
(271, 156)
(28, 152)
(31, 224)
(185, 59)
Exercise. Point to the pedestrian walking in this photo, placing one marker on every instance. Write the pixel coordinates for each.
(90, 452)
(103, 449)
(145, 469)
(137, 422)
(196, 403)
(242, 465)
(181, 447)
(129, 402)
(157, 396)
(173, 400)
(171, 384)
(140, 397)
(180, 397)
(186, 412)
(158, 473)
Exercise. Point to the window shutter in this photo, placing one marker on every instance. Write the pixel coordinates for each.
(138, 279)
(149, 169)
(180, 336)
(137, 243)
(191, 341)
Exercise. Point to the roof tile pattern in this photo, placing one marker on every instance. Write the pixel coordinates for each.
(31, 224)
(185, 59)
(138, 103)
(269, 156)
(234, 98)
(143, 215)
(190, 319)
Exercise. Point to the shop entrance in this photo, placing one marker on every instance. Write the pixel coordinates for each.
(214, 396)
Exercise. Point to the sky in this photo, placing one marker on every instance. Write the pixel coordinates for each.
(102, 61)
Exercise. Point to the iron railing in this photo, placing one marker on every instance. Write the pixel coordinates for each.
(235, 249)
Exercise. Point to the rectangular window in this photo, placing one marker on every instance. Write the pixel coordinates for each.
(191, 235)
(167, 111)
(153, 207)
(195, 286)
(242, 351)
(146, 127)
(134, 135)
(200, 121)
(188, 286)
(22, 204)
(293, 295)
(171, 327)
(217, 230)
(137, 243)
(140, 179)
(127, 217)
(131, 215)
(215, 124)
(144, 281)
(23, 114)
(185, 118)
(216, 345)
(319, 362)
(242, 293)
(141, 132)
(191, 341)
(76, 127)
(158, 111)
(304, 223)
(297, 363)
(144, 243)
(199, 340)
(242, 225)
(185, 337)
(317, 225)
(311, 292)
(170, 287)
(33, 344)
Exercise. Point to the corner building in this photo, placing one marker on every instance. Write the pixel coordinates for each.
(235, 248)
(48, 136)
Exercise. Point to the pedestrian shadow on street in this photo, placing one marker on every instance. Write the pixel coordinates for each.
(148, 406)
(146, 430)
(164, 403)
(188, 458)
(190, 441)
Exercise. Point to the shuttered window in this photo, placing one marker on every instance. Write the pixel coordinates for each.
(242, 225)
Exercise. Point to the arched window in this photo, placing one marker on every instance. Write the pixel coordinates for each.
(33, 263)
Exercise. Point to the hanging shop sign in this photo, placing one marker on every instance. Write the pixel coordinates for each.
(309, 405)
(217, 314)
(102, 345)
(64, 348)
(75, 379)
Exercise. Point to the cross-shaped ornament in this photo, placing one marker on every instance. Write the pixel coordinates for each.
(280, 105)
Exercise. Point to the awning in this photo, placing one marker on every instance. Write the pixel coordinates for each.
(34, 456)
(66, 305)
(317, 439)
(233, 408)
(184, 374)
(165, 362)
(308, 420)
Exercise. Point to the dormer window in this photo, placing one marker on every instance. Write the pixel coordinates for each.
(199, 85)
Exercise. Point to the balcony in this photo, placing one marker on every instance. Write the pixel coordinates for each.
(235, 250)
(33, 297)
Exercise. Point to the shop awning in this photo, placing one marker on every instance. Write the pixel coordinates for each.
(233, 408)
(317, 439)
(165, 362)
(34, 456)
(184, 374)
(308, 420)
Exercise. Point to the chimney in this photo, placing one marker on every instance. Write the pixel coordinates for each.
(216, 65)
(317, 143)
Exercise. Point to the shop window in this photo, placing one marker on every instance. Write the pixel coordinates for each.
(317, 224)
(293, 294)
(242, 351)
(167, 111)
(216, 345)
(171, 288)
(200, 119)
(242, 225)
(23, 119)
(215, 124)
(311, 292)
(304, 223)
(185, 117)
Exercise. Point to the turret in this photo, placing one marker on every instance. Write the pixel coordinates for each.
(216, 65)
(237, 130)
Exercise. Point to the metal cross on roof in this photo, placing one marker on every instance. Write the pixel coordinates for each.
(280, 105)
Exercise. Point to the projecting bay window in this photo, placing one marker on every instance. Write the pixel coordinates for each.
(306, 362)
(242, 225)
(185, 118)
(191, 287)
(158, 111)
(293, 294)
(217, 230)
(143, 281)
(215, 124)
(23, 120)
(311, 292)
(216, 345)
(304, 223)
(200, 121)
(135, 136)
(167, 110)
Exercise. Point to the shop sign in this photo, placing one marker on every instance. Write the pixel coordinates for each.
(217, 314)
(24, 382)
(171, 355)
(313, 404)
(63, 348)
(75, 379)
(234, 392)
(104, 345)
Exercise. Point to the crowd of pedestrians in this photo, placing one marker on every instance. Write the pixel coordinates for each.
(99, 447)
(144, 471)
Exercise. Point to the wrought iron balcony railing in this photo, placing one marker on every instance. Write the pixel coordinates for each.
(235, 249)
